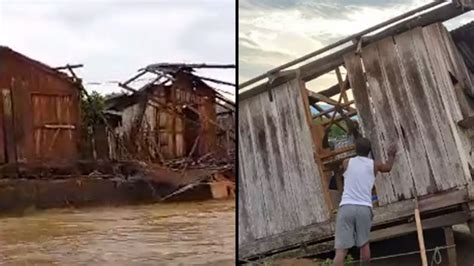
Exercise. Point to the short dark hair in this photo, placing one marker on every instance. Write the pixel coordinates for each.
(363, 146)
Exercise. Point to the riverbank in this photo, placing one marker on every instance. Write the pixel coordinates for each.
(21, 195)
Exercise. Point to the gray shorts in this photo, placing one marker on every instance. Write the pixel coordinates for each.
(353, 225)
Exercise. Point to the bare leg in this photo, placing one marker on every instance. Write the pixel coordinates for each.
(339, 259)
(365, 253)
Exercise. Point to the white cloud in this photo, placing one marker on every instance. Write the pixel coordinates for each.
(274, 35)
(114, 38)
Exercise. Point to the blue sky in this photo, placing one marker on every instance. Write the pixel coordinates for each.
(273, 32)
(114, 38)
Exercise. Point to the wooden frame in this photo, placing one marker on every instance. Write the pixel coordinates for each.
(392, 219)
(397, 212)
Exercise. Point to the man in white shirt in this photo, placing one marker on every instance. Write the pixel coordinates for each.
(354, 218)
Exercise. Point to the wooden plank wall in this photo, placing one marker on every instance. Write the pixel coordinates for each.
(408, 99)
(25, 79)
(279, 182)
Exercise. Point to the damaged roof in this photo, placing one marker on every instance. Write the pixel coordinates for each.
(167, 73)
(122, 101)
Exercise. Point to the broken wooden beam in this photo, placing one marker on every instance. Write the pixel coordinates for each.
(339, 118)
(139, 74)
(69, 67)
(328, 116)
(333, 109)
(60, 126)
(333, 90)
(216, 81)
(315, 97)
(177, 65)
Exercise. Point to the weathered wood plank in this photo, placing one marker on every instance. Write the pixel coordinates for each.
(295, 167)
(458, 168)
(271, 161)
(386, 114)
(368, 124)
(443, 144)
(449, 238)
(258, 138)
(8, 126)
(396, 210)
(304, 176)
(325, 230)
(283, 162)
(316, 204)
(246, 228)
(378, 235)
(281, 178)
(249, 179)
(429, 141)
(2, 135)
(457, 68)
(466, 104)
(407, 129)
(23, 125)
(440, 67)
(460, 68)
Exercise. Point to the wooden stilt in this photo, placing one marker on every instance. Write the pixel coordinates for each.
(470, 224)
(449, 236)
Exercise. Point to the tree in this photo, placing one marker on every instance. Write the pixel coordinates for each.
(92, 107)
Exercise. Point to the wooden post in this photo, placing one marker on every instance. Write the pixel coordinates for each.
(470, 207)
(341, 85)
(10, 142)
(470, 224)
(449, 236)
(419, 230)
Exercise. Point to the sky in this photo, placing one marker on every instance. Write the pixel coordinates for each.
(273, 32)
(115, 38)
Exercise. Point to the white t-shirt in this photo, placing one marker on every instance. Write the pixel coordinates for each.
(359, 180)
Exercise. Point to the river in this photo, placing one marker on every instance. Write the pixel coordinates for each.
(200, 233)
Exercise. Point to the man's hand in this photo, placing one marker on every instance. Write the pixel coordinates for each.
(387, 166)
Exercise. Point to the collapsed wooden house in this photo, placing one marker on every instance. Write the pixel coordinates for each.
(410, 86)
(39, 114)
(173, 116)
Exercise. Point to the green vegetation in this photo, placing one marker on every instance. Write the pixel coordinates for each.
(335, 131)
(92, 108)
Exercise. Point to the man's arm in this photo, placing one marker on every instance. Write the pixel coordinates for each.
(387, 166)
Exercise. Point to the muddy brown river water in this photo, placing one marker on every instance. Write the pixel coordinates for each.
(161, 234)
